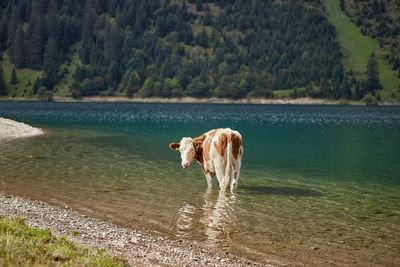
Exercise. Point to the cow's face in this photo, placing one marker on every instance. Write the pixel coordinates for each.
(187, 149)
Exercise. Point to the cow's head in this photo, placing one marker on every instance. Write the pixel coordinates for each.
(188, 148)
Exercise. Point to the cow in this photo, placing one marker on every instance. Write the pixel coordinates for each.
(218, 151)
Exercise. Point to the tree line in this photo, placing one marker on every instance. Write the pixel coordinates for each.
(200, 48)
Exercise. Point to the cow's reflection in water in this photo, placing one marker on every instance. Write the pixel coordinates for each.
(217, 216)
(212, 221)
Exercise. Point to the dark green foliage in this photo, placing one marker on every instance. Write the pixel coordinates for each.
(44, 94)
(372, 82)
(17, 49)
(177, 48)
(342, 6)
(3, 86)
(36, 37)
(373, 19)
(14, 78)
(50, 60)
(36, 85)
(3, 33)
(202, 39)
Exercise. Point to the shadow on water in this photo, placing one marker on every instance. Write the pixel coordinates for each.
(283, 191)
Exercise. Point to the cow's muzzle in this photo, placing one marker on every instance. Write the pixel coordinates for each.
(185, 164)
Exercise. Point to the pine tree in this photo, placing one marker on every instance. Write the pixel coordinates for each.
(202, 39)
(14, 79)
(342, 6)
(3, 33)
(373, 82)
(36, 37)
(50, 64)
(199, 5)
(12, 26)
(36, 85)
(88, 22)
(3, 86)
(111, 43)
(17, 50)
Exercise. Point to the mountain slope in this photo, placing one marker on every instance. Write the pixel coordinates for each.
(359, 47)
(201, 48)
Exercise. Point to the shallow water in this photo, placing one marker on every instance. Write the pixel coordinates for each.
(319, 184)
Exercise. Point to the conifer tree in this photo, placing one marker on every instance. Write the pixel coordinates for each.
(199, 5)
(50, 64)
(88, 21)
(36, 37)
(12, 26)
(3, 33)
(14, 79)
(342, 6)
(3, 86)
(372, 82)
(17, 50)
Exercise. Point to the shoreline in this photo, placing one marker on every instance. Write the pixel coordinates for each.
(138, 248)
(212, 100)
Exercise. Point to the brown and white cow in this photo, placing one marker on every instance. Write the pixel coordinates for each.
(218, 151)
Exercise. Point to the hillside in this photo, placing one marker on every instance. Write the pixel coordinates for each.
(174, 48)
(358, 46)
(379, 19)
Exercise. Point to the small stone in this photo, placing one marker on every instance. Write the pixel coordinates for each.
(314, 248)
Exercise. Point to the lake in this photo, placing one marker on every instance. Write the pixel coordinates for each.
(316, 181)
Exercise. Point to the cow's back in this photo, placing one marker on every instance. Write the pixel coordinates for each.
(215, 147)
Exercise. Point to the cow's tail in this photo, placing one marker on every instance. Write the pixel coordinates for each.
(228, 160)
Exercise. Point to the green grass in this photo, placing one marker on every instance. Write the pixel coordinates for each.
(283, 94)
(63, 86)
(25, 78)
(21, 245)
(358, 47)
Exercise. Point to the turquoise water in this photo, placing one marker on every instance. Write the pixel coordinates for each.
(317, 182)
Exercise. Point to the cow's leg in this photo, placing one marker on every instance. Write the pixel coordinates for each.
(235, 173)
(226, 180)
(209, 179)
(220, 172)
(235, 178)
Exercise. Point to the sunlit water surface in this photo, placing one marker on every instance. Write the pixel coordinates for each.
(317, 182)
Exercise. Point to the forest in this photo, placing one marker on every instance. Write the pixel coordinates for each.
(174, 48)
(380, 20)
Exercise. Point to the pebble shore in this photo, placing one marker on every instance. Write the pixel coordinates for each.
(10, 129)
(136, 247)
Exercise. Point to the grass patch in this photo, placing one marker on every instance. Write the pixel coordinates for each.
(69, 67)
(25, 79)
(22, 245)
(283, 94)
(359, 47)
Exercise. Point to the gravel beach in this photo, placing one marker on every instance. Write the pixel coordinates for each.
(10, 129)
(137, 247)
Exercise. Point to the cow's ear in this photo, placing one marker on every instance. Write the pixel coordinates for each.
(197, 144)
(174, 146)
